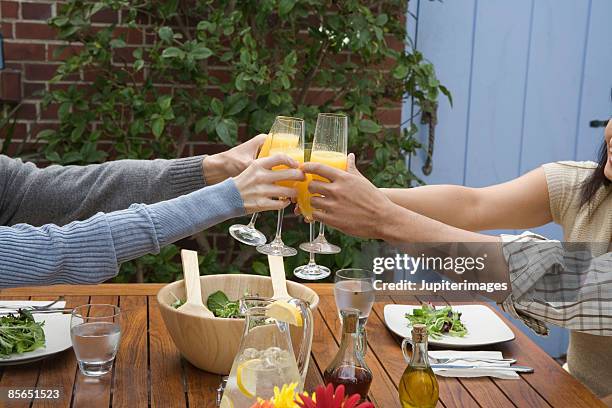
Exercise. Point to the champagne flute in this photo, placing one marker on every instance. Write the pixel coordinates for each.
(310, 271)
(248, 234)
(288, 138)
(330, 148)
(320, 245)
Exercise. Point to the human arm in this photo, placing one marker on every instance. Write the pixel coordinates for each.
(90, 251)
(517, 204)
(355, 206)
(61, 194)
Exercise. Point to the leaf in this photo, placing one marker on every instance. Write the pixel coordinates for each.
(71, 157)
(164, 102)
(138, 65)
(77, 132)
(201, 124)
(216, 106)
(227, 131)
(165, 34)
(201, 52)
(400, 71)
(274, 99)
(46, 134)
(369, 126)
(217, 301)
(285, 6)
(240, 81)
(237, 106)
(64, 110)
(173, 52)
(158, 126)
(53, 157)
(117, 43)
(448, 94)
(381, 19)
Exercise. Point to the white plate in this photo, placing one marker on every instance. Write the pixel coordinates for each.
(57, 339)
(483, 325)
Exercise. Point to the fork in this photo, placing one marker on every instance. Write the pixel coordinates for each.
(434, 360)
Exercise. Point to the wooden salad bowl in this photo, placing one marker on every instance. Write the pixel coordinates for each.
(211, 343)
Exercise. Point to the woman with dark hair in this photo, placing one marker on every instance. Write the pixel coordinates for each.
(575, 195)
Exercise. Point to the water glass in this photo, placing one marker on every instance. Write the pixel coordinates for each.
(95, 330)
(354, 289)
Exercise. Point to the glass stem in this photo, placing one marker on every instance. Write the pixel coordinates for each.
(311, 259)
(253, 219)
(279, 225)
(321, 230)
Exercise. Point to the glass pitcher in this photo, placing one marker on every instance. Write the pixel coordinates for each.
(265, 358)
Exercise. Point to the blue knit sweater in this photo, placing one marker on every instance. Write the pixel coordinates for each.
(91, 250)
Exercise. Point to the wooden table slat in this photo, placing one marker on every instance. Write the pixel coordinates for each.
(60, 370)
(131, 387)
(167, 388)
(88, 391)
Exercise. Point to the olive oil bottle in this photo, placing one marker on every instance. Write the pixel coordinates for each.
(418, 387)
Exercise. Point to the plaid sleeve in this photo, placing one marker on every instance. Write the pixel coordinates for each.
(558, 283)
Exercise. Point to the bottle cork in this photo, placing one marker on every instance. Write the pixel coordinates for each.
(419, 333)
(349, 320)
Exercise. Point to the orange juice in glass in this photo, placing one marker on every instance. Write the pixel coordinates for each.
(329, 158)
(296, 153)
(278, 141)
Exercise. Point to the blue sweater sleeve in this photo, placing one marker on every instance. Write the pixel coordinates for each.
(91, 251)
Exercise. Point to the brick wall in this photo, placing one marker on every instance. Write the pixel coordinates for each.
(29, 45)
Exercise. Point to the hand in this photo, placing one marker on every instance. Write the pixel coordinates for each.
(350, 202)
(257, 183)
(221, 166)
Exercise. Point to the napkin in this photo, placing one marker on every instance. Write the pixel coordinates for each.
(10, 304)
(486, 369)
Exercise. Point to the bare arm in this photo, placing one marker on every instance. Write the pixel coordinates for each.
(519, 203)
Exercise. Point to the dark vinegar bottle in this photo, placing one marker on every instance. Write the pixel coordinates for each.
(349, 367)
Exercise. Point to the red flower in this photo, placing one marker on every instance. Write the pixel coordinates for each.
(327, 398)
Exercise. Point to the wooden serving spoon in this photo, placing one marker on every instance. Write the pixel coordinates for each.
(191, 274)
(279, 280)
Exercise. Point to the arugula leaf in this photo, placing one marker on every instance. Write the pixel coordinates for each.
(217, 301)
(20, 334)
(221, 306)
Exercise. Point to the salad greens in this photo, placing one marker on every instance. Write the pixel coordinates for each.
(221, 306)
(438, 321)
(20, 333)
(218, 303)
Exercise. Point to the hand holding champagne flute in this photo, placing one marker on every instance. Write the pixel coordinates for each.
(248, 234)
(287, 137)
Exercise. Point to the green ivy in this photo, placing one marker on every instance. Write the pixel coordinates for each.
(261, 58)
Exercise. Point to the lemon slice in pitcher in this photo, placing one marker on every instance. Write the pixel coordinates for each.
(285, 312)
(246, 377)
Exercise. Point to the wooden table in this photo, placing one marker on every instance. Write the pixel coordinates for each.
(150, 372)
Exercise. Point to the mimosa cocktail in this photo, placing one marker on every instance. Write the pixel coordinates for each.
(296, 153)
(328, 147)
(333, 159)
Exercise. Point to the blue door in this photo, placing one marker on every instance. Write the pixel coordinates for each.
(527, 77)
